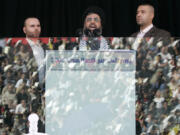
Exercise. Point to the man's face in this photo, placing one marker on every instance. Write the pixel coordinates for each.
(144, 15)
(32, 28)
(92, 22)
(23, 102)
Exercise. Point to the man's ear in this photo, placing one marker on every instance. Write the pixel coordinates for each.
(152, 16)
(24, 30)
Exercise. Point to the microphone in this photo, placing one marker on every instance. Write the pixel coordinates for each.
(90, 36)
(89, 33)
(93, 43)
(97, 33)
(92, 33)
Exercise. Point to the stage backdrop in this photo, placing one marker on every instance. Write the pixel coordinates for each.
(63, 18)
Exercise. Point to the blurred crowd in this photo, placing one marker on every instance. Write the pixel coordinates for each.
(157, 84)
(19, 88)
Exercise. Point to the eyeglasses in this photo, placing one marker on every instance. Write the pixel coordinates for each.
(89, 19)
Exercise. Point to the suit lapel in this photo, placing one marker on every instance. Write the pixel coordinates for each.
(151, 32)
(134, 34)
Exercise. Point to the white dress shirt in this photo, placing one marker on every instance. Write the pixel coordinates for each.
(20, 109)
(144, 31)
(38, 52)
(39, 55)
(140, 36)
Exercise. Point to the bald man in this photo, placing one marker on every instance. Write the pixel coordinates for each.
(32, 30)
(144, 17)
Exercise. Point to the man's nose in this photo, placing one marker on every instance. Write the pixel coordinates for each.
(92, 21)
(138, 14)
(36, 28)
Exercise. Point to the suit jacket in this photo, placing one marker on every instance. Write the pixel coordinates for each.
(154, 32)
(44, 47)
(33, 63)
(157, 34)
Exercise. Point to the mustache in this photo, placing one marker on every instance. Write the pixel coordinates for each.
(36, 30)
(93, 25)
(94, 33)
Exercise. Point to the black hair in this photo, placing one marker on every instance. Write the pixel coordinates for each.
(147, 2)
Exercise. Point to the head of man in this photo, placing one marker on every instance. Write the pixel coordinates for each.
(23, 102)
(93, 20)
(32, 27)
(144, 15)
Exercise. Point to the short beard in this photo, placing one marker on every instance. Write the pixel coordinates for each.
(33, 35)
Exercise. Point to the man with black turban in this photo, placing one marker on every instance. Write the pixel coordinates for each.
(91, 35)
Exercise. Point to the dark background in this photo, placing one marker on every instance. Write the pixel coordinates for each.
(64, 17)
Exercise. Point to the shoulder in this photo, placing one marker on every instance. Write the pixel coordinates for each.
(18, 106)
(134, 34)
(164, 32)
(159, 32)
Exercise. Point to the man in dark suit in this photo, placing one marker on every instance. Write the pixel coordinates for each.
(144, 18)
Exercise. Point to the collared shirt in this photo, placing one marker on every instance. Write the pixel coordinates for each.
(144, 31)
(20, 109)
(38, 52)
(140, 36)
